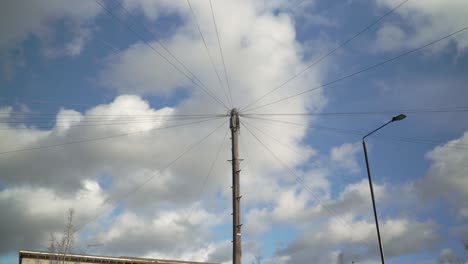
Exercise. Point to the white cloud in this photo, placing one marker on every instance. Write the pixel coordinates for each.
(422, 22)
(390, 37)
(20, 19)
(260, 51)
(73, 47)
(345, 156)
(344, 224)
(132, 160)
(29, 215)
(169, 233)
(446, 178)
(447, 256)
(357, 239)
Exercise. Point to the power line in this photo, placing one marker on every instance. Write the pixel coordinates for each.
(101, 138)
(93, 120)
(208, 51)
(383, 112)
(360, 133)
(205, 179)
(363, 70)
(274, 138)
(142, 184)
(86, 119)
(107, 44)
(41, 101)
(58, 125)
(113, 115)
(285, 145)
(327, 54)
(52, 122)
(221, 52)
(301, 181)
(201, 86)
(121, 5)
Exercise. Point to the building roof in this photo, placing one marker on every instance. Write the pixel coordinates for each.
(101, 259)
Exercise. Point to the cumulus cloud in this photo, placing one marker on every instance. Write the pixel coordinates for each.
(261, 51)
(29, 215)
(169, 233)
(340, 226)
(350, 228)
(446, 178)
(130, 161)
(72, 48)
(269, 53)
(345, 156)
(423, 21)
(357, 240)
(20, 19)
(59, 172)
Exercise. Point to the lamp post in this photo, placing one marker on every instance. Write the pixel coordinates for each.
(395, 118)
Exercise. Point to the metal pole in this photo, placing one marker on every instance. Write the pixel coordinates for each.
(236, 228)
(373, 202)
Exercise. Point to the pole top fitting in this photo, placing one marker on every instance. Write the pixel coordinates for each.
(234, 120)
(234, 111)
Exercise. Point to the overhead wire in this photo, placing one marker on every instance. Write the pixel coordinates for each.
(366, 113)
(361, 133)
(111, 115)
(48, 120)
(42, 101)
(194, 16)
(300, 180)
(287, 146)
(107, 44)
(221, 52)
(205, 179)
(21, 123)
(101, 138)
(362, 70)
(121, 5)
(35, 126)
(142, 184)
(353, 133)
(214, 118)
(87, 119)
(344, 43)
(200, 85)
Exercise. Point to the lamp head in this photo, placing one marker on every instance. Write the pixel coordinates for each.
(398, 117)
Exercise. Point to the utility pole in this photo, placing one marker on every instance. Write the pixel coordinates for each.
(236, 218)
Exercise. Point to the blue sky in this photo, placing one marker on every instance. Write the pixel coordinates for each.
(73, 74)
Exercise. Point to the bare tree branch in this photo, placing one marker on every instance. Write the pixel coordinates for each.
(64, 246)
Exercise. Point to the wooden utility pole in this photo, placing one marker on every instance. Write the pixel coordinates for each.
(236, 218)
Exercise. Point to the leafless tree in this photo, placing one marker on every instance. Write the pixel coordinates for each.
(64, 245)
(258, 260)
(451, 260)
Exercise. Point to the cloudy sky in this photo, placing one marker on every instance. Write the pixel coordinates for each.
(118, 109)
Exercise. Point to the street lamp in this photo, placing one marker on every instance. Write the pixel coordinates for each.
(395, 118)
